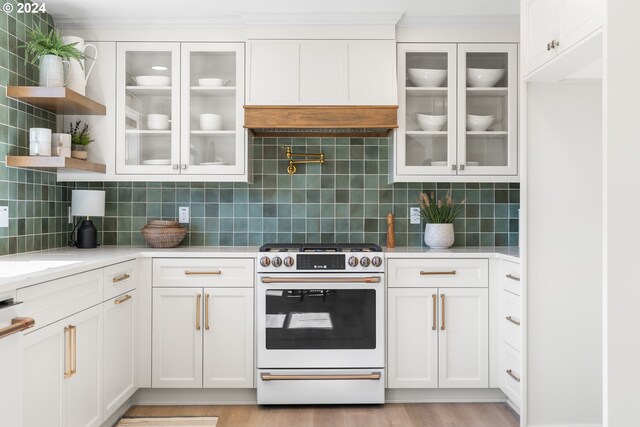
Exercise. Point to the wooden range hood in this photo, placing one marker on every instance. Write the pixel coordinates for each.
(321, 120)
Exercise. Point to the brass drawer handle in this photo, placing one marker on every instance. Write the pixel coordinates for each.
(443, 301)
(198, 304)
(121, 278)
(123, 299)
(67, 352)
(206, 312)
(514, 321)
(18, 324)
(512, 375)
(434, 297)
(438, 273)
(269, 377)
(74, 350)
(202, 273)
(512, 277)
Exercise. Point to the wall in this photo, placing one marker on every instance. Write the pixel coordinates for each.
(346, 200)
(37, 204)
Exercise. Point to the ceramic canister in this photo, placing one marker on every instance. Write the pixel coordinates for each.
(39, 142)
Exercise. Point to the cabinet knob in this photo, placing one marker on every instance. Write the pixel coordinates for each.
(183, 166)
(550, 45)
(175, 166)
(556, 43)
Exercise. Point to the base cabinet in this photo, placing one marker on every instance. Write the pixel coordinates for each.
(62, 375)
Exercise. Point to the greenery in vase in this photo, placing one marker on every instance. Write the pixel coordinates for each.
(442, 211)
(80, 137)
(42, 43)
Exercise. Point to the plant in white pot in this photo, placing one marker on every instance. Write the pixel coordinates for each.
(439, 216)
(48, 52)
(80, 139)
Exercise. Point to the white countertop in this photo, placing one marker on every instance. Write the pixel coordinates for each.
(89, 259)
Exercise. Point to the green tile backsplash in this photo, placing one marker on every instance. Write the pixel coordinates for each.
(345, 200)
(37, 204)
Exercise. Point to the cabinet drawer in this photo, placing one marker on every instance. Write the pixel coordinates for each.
(434, 273)
(119, 278)
(511, 319)
(510, 374)
(510, 277)
(203, 272)
(51, 301)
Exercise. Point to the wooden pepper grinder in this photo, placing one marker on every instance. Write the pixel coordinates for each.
(391, 236)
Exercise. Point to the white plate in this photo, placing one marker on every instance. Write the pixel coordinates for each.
(157, 162)
(439, 163)
(472, 163)
(213, 163)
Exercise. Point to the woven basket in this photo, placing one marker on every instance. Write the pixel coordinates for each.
(163, 237)
(160, 223)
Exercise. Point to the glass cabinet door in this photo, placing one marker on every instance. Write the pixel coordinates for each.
(426, 138)
(148, 112)
(213, 138)
(487, 103)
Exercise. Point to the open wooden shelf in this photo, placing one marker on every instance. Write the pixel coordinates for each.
(59, 100)
(44, 162)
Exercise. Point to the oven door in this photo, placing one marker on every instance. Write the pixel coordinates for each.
(320, 320)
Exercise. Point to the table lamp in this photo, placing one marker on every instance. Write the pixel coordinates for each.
(86, 203)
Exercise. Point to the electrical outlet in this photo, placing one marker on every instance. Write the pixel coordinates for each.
(69, 216)
(414, 215)
(4, 216)
(183, 215)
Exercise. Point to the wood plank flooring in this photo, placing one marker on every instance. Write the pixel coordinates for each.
(389, 415)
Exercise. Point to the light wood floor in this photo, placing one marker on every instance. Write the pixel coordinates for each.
(396, 415)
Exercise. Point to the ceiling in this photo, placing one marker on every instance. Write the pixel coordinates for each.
(239, 12)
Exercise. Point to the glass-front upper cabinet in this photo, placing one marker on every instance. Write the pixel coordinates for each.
(426, 137)
(213, 137)
(148, 108)
(488, 105)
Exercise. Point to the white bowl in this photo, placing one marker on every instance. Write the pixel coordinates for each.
(152, 80)
(484, 77)
(431, 123)
(212, 82)
(210, 122)
(425, 77)
(478, 123)
(157, 121)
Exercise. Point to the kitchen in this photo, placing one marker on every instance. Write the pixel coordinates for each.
(210, 171)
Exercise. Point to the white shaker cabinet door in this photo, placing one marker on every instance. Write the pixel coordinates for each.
(228, 338)
(177, 338)
(372, 72)
(539, 28)
(83, 398)
(120, 343)
(412, 338)
(578, 19)
(323, 76)
(273, 72)
(464, 338)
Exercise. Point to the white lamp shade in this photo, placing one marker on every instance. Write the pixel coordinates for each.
(87, 203)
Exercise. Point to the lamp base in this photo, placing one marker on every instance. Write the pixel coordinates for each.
(87, 235)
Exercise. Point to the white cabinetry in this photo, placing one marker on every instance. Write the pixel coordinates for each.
(551, 27)
(438, 336)
(434, 141)
(321, 72)
(510, 332)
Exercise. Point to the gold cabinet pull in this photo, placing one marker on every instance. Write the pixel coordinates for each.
(202, 273)
(123, 299)
(266, 376)
(74, 350)
(434, 297)
(67, 352)
(438, 273)
(206, 312)
(443, 301)
(198, 302)
(18, 324)
(512, 375)
(512, 320)
(512, 277)
(121, 278)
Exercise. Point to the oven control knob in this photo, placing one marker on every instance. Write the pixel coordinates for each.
(265, 261)
(288, 261)
(353, 261)
(364, 261)
(376, 261)
(276, 261)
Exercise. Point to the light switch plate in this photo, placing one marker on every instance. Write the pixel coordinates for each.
(183, 215)
(414, 215)
(4, 216)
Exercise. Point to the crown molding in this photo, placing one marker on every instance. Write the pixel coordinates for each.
(302, 19)
(225, 21)
(459, 21)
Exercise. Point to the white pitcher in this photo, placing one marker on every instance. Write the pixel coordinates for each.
(52, 71)
(77, 79)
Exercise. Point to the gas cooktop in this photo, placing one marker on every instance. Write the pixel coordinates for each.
(320, 247)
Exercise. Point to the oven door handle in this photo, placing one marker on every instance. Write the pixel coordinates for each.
(320, 279)
(375, 376)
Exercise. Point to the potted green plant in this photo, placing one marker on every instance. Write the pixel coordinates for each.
(48, 52)
(439, 216)
(80, 139)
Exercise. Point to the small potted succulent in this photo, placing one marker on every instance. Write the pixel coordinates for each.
(80, 139)
(48, 52)
(439, 216)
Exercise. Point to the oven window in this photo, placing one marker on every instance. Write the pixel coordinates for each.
(310, 319)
